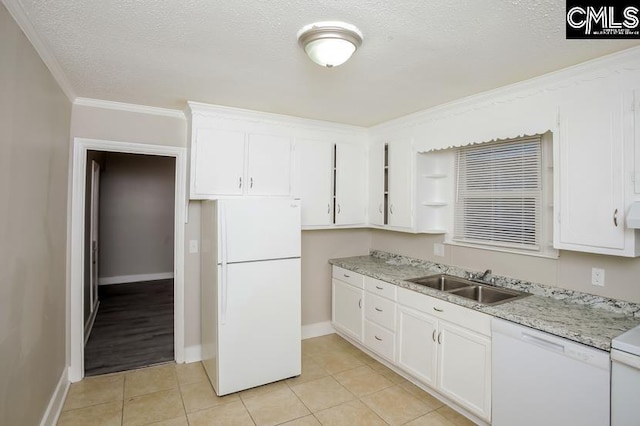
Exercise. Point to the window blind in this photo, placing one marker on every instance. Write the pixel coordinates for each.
(499, 194)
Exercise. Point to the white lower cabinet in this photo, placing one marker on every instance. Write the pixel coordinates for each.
(380, 318)
(417, 350)
(347, 303)
(464, 373)
(447, 347)
(442, 345)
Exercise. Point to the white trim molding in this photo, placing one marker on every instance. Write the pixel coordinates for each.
(317, 329)
(52, 413)
(16, 9)
(75, 296)
(121, 279)
(121, 106)
(192, 354)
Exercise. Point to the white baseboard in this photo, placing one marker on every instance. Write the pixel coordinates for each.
(89, 325)
(317, 329)
(120, 279)
(192, 354)
(51, 415)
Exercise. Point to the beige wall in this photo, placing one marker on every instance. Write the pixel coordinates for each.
(34, 156)
(124, 126)
(572, 270)
(317, 248)
(137, 197)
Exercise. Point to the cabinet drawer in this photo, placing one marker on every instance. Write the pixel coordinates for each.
(347, 276)
(379, 340)
(460, 315)
(379, 310)
(380, 288)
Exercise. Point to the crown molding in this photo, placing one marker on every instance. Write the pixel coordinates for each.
(615, 63)
(121, 106)
(16, 10)
(195, 109)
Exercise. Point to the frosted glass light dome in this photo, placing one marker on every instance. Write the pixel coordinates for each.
(330, 43)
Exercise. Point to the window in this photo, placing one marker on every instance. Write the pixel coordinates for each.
(502, 193)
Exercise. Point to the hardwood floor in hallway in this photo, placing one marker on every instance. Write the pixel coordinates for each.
(133, 327)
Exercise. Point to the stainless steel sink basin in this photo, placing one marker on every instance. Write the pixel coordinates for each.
(481, 293)
(442, 282)
(489, 295)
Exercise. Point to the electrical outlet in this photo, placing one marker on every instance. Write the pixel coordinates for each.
(597, 277)
(438, 249)
(193, 246)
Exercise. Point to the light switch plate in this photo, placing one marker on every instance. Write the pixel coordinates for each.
(597, 277)
(193, 246)
(438, 249)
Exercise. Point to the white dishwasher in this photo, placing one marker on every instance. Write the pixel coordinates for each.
(542, 379)
(625, 379)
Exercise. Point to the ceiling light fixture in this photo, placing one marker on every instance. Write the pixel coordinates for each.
(329, 43)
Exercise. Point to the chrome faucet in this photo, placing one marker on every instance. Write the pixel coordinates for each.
(484, 275)
(480, 276)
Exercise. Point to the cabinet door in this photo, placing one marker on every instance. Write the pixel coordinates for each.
(269, 165)
(417, 349)
(591, 189)
(376, 184)
(347, 308)
(314, 181)
(351, 194)
(218, 162)
(464, 373)
(400, 187)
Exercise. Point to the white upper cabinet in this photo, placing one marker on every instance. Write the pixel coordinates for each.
(217, 163)
(594, 174)
(234, 154)
(314, 181)
(377, 205)
(268, 165)
(391, 175)
(350, 184)
(400, 174)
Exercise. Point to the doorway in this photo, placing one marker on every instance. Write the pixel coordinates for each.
(129, 254)
(78, 255)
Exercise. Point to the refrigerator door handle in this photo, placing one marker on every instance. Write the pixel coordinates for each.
(223, 261)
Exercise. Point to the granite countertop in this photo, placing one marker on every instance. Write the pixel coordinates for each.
(584, 318)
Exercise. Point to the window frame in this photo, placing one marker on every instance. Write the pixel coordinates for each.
(544, 215)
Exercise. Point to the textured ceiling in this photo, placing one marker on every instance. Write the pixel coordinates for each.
(243, 53)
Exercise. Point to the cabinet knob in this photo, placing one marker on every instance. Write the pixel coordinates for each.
(378, 309)
(240, 182)
(433, 335)
(377, 338)
(338, 208)
(391, 208)
(251, 183)
(360, 303)
(380, 208)
(328, 208)
(615, 218)
(438, 309)
(440, 338)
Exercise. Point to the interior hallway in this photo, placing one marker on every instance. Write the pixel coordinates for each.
(133, 327)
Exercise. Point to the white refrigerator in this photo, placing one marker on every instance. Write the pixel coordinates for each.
(250, 292)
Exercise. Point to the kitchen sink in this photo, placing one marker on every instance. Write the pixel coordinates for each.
(482, 293)
(442, 282)
(488, 295)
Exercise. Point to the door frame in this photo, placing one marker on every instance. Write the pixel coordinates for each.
(75, 287)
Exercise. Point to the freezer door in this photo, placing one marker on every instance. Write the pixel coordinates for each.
(259, 325)
(259, 229)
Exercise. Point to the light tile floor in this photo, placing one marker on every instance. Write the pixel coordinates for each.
(339, 385)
